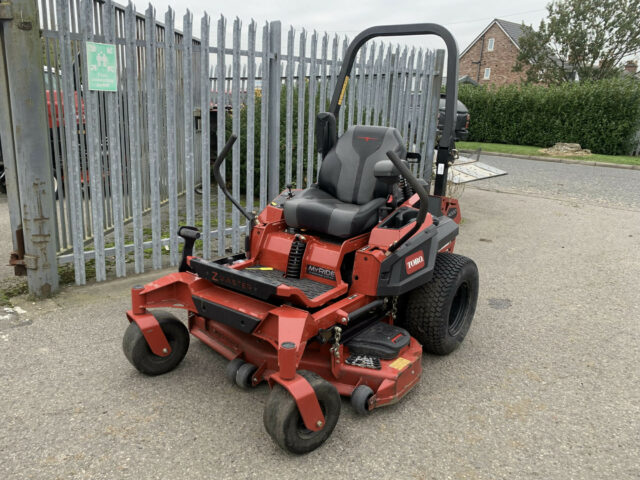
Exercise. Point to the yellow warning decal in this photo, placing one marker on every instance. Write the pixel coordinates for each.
(344, 89)
(400, 363)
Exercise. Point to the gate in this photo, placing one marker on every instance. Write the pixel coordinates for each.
(118, 171)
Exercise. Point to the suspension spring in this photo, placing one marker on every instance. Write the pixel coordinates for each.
(406, 189)
(294, 264)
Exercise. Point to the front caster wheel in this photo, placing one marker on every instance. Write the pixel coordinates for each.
(283, 421)
(137, 350)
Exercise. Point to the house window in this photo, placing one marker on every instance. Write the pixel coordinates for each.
(487, 73)
(490, 44)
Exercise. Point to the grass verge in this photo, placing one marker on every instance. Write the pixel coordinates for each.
(535, 151)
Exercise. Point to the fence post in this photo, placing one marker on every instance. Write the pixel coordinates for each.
(27, 136)
(432, 115)
(274, 110)
(7, 154)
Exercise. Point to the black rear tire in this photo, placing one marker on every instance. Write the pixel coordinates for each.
(283, 421)
(137, 350)
(439, 313)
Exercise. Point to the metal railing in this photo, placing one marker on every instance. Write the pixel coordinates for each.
(126, 166)
(636, 149)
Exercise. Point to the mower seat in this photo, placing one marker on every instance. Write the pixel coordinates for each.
(345, 201)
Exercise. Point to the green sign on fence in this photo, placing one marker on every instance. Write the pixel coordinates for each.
(102, 67)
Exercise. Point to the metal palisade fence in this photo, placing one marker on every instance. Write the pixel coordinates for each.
(636, 148)
(131, 165)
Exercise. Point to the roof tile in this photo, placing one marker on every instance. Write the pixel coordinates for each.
(514, 30)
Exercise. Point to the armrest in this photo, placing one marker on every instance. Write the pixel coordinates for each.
(386, 171)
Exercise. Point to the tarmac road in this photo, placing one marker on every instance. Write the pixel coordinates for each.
(546, 385)
(606, 186)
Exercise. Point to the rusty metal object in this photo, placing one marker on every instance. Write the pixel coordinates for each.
(17, 257)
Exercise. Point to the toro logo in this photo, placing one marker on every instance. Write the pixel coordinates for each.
(414, 262)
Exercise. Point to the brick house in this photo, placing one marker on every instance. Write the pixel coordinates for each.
(490, 58)
(631, 69)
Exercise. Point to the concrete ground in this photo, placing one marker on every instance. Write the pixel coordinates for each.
(546, 385)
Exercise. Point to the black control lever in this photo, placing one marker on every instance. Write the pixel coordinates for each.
(220, 180)
(419, 189)
(190, 235)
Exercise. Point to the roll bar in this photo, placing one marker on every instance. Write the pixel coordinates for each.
(446, 143)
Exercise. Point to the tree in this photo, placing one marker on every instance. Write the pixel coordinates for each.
(587, 37)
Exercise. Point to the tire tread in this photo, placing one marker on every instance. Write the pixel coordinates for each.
(426, 305)
(137, 351)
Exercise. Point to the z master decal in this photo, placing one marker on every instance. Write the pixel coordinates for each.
(414, 262)
(321, 272)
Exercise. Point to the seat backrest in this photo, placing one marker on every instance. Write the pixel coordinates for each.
(347, 170)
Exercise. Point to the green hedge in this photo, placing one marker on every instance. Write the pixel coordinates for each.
(602, 116)
(283, 131)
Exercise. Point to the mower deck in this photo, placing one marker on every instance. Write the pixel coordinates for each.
(391, 381)
(280, 339)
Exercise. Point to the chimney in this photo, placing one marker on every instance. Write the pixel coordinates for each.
(631, 66)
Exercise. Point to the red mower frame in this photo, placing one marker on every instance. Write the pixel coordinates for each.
(232, 310)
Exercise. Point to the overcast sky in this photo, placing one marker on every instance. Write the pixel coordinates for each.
(465, 19)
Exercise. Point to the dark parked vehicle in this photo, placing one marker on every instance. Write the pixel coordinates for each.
(462, 119)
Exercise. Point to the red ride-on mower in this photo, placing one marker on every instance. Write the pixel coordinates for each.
(341, 286)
